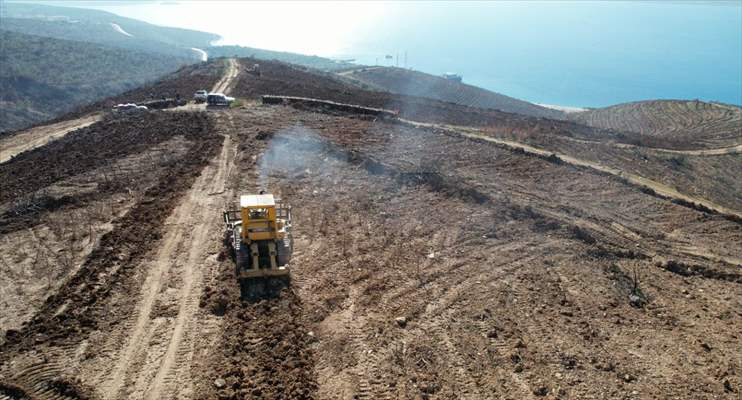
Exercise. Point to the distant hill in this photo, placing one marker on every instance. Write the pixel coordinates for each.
(184, 82)
(103, 28)
(315, 62)
(44, 77)
(670, 123)
(415, 83)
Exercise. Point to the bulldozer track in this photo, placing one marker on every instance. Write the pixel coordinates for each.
(369, 386)
(36, 379)
(167, 362)
(192, 222)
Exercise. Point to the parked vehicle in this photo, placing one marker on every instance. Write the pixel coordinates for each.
(200, 96)
(128, 107)
(218, 100)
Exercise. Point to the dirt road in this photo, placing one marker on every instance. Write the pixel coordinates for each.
(225, 84)
(38, 136)
(699, 152)
(155, 361)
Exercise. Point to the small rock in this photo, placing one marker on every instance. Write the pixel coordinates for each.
(541, 391)
(220, 383)
(706, 347)
(628, 378)
(636, 301)
(518, 368)
(401, 321)
(728, 386)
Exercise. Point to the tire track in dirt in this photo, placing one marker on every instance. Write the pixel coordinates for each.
(224, 84)
(185, 248)
(179, 352)
(40, 378)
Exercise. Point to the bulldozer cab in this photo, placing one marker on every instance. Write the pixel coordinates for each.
(263, 217)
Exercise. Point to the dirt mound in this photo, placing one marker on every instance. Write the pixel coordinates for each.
(420, 84)
(263, 351)
(679, 124)
(94, 146)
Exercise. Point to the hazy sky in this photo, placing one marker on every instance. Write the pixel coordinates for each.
(573, 53)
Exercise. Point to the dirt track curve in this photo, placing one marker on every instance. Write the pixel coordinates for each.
(224, 84)
(698, 152)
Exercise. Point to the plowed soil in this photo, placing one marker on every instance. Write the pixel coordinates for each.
(426, 264)
(514, 275)
(676, 124)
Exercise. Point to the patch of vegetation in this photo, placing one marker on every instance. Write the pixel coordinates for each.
(678, 162)
(582, 235)
(95, 26)
(629, 285)
(237, 103)
(292, 58)
(43, 77)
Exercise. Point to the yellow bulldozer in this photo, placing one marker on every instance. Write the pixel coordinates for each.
(259, 233)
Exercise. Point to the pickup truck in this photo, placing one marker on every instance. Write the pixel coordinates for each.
(200, 96)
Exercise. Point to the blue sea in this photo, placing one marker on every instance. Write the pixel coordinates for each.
(583, 54)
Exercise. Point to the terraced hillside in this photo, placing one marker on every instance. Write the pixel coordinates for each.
(682, 124)
(415, 83)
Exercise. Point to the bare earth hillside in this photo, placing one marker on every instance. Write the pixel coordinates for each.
(428, 263)
(420, 84)
(681, 124)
